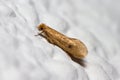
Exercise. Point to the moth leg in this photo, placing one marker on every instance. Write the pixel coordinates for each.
(41, 34)
(49, 39)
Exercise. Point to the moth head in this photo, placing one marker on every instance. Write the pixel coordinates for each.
(41, 27)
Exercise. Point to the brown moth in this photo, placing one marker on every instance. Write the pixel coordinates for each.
(73, 47)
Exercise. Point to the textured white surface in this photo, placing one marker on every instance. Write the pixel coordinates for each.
(24, 56)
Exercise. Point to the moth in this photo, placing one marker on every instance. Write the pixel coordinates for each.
(75, 48)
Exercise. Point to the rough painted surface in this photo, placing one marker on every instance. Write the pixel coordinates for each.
(24, 56)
